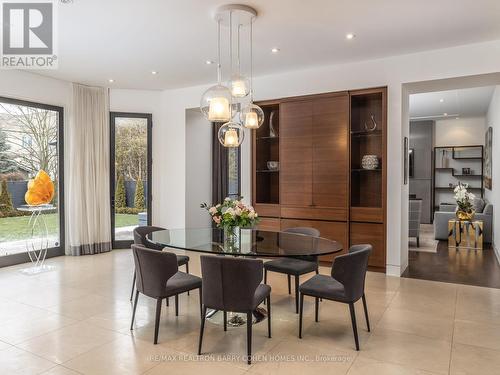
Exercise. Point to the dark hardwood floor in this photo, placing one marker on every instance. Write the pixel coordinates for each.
(462, 266)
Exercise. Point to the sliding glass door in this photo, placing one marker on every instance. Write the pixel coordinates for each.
(31, 140)
(130, 175)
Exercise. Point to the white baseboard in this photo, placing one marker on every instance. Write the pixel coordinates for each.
(391, 270)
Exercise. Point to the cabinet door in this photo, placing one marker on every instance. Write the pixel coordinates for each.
(333, 230)
(330, 175)
(373, 234)
(269, 224)
(296, 153)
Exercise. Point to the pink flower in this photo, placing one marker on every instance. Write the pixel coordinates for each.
(216, 219)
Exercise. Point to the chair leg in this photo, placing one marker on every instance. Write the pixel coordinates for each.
(316, 308)
(176, 305)
(202, 327)
(418, 241)
(366, 313)
(249, 337)
(289, 284)
(300, 314)
(133, 312)
(200, 291)
(187, 271)
(265, 281)
(317, 271)
(167, 302)
(133, 287)
(354, 326)
(269, 316)
(157, 320)
(225, 320)
(296, 294)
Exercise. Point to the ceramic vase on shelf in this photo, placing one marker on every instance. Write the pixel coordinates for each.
(444, 159)
(272, 129)
(369, 162)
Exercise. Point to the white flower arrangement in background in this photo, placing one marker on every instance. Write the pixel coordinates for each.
(463, 197)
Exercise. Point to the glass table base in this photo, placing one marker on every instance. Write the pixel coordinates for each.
(236, 319)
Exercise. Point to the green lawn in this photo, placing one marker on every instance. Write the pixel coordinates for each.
(16, 228)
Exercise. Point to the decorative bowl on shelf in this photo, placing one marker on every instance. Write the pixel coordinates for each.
(369, 162)
(273, 165)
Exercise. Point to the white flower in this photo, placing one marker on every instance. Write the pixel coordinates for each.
(237, 211)
(251, 215)
(212, 210)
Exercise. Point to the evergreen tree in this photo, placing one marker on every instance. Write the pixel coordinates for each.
(5, 199)
(139, 195)
(7, 165)
(120, 195)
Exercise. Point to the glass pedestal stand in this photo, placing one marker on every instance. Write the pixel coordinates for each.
(236, 319)
(37, 243)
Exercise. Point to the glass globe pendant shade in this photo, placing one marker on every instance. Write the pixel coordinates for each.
(231, 134)
(252, 116)
(215, 104)
(240, 86)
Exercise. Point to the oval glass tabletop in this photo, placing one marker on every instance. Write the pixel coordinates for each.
(245, 242)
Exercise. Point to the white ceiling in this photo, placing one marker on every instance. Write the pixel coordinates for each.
(126, 39)
(471, 102)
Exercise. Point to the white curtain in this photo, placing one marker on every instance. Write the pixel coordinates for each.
(88, 202)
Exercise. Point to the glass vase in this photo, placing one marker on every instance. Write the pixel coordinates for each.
(232, 238)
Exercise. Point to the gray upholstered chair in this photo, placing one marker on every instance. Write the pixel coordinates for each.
(295, 266)
(346, 284)
(158, 277)
(414, 218)
(233, 284)
(140, 234)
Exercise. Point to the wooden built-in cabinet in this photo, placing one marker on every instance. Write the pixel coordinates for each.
(319, 141)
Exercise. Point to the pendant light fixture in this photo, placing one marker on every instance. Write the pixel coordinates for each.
(225, 103)
(215, 103)
(252, 116)
(239, 84)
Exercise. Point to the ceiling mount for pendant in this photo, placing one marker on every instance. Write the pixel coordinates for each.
(241, 14)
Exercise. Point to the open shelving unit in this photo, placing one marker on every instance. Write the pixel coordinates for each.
(448, 164)
(266, 182)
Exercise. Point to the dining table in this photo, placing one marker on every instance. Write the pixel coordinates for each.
(244, 242)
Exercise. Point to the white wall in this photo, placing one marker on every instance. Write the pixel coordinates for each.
(459, 132)
(493, 120)
(392, 72)
(198, 168)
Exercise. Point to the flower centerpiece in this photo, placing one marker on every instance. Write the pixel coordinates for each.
(465, 209)
(231, 215)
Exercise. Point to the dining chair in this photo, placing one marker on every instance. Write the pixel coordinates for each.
(346, 284)
(233, 284)
(158, 277)
(140, 234)
(294, 266)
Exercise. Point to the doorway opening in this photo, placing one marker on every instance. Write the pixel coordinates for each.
(449, 149)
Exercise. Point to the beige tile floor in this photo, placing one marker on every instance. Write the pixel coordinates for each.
(75, 320)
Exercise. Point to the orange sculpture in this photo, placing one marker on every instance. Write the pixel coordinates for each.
(40, 190)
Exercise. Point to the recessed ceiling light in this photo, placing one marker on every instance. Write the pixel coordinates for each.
(441, 100)
(111, 80)
(350, 36)
(457, 118)
(209, 62)
(275, 50)
(154, 72)
(445, 114)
